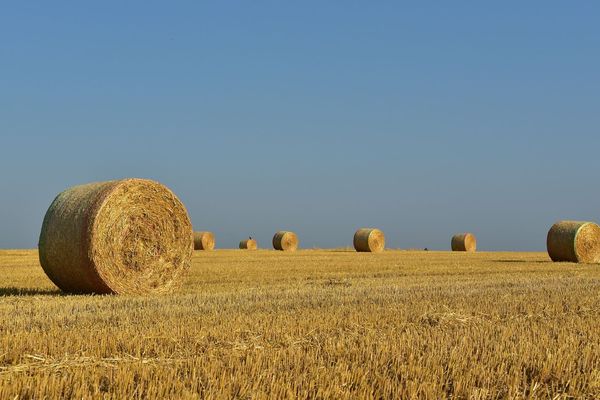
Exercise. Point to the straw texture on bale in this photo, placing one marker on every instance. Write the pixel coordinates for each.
(130, 236)
(285, 241)
(248, 244)
(464, 242)
(574, 241)
(204, 241)
(369, 240)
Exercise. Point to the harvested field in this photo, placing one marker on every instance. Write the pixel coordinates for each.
(311, 324)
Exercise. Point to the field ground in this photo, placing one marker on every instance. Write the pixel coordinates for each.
(311, 324)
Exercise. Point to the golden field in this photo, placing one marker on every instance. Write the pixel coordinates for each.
(311, 324)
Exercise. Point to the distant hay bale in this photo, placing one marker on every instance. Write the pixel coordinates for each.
(248, 244)
(130, 236)
(369, 240)
(285, 241)
(464, 242)
(204, 241)
(574, 241)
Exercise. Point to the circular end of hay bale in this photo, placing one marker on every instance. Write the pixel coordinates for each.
(204, 241)
(131, 236)
(285, 241)
(248, 244)
(574, 241)
(369, 240)
(464, 242)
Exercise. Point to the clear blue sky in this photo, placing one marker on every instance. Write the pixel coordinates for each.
(318, 117)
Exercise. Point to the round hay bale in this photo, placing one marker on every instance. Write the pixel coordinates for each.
(285, 241)
(574, 241)
(369, 240)
(204, 241)
(248, 244)
(130, 236)
(464, 242)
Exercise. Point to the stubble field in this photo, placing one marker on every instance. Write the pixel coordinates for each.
(311, 324)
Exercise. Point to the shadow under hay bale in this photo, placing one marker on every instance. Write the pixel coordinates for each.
(17, 291)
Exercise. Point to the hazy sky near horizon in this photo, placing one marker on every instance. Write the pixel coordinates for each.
(318, 117)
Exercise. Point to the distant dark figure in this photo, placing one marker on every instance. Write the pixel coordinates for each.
(426, 249)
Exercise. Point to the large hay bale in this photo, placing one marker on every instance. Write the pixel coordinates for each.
(130, 236)
(204, 241)
(369, 240)
(285, 241)
(248, 244)
(574, 241)
(464, 242)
